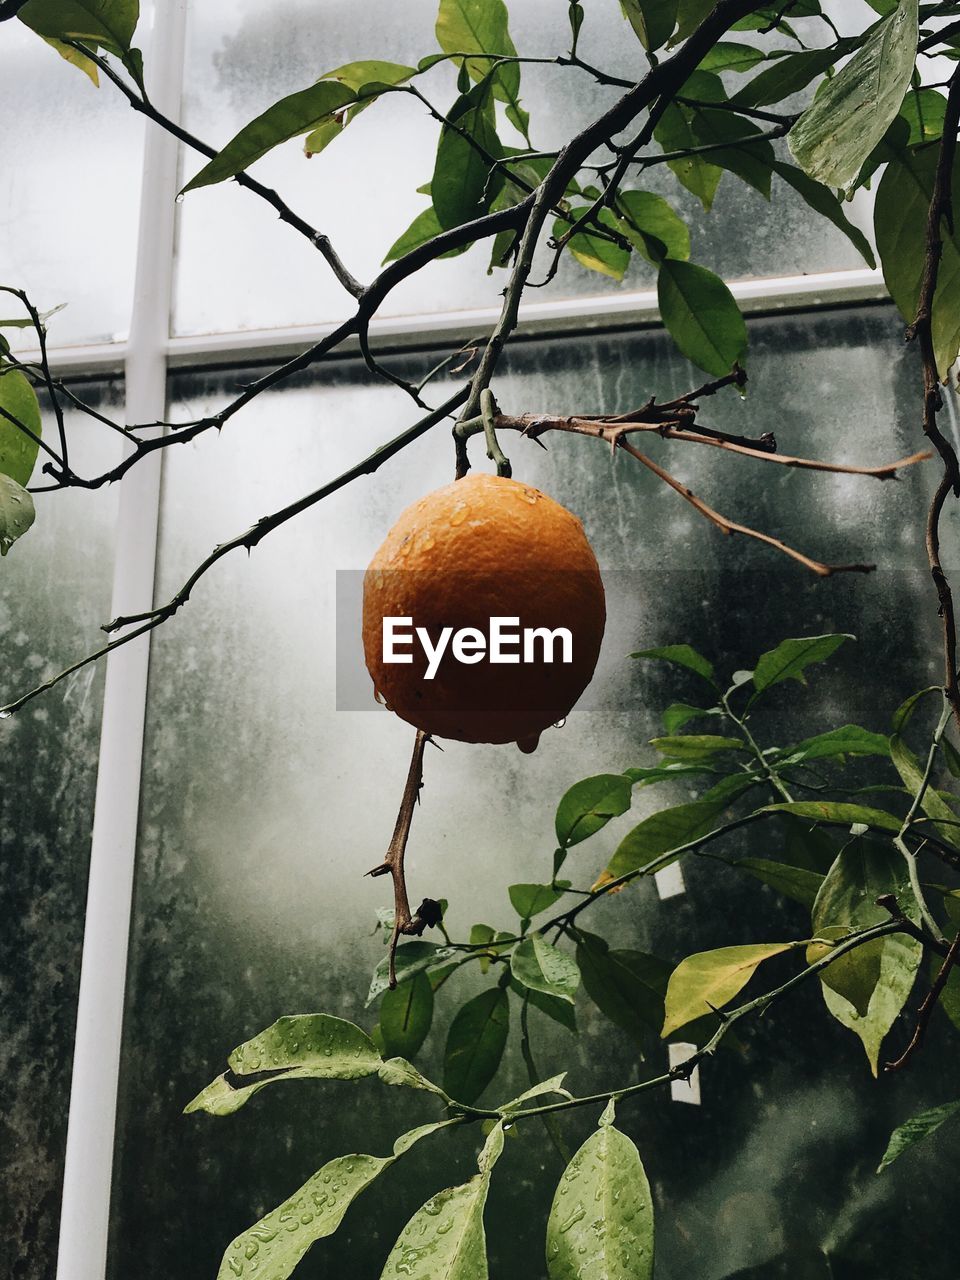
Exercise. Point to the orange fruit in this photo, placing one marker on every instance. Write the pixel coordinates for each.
(481, 548)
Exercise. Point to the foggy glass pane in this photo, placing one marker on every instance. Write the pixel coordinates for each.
(263, 807)
(54, 594)
(70, 210)
(238, 269)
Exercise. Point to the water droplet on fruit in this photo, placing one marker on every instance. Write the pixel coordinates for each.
(560, 723)
(459, 515)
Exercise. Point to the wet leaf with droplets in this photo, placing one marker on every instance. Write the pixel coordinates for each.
(539, 965)
(304, 1046)
(17, 513)
(272, 1247)
(601, 1221)
(445, 1240)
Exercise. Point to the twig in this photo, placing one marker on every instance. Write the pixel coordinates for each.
(731, 526)
(153, 618)
(392, 865)
(287, 215)
(925, 1012)
(899, 839)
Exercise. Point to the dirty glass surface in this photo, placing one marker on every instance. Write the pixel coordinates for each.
(361, 190)
(54, 594)
(69, 211)
(263, 806)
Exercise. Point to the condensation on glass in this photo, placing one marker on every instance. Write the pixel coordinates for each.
(54, 594)
(238, 269)
(263, 807)
(69, 210)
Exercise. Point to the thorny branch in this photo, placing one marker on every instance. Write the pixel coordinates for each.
(428, 913)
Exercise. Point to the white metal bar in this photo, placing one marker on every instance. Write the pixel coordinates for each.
(90, 1135)
(551, 316)
(783, 293)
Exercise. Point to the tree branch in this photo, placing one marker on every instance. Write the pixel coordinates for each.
(153, 618)
(940, 208)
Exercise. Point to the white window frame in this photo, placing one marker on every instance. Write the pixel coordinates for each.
(146, 358)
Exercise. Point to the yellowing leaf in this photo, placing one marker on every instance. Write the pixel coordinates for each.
(710, 979)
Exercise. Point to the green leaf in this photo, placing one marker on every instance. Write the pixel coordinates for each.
(652, 20)
(790, 658)
(17, 513)
(542, 967)
(553, 1085)
(529, 900)
(475, 1044)
(702, 316)
(421, 230)
(838, 814)
(481, 26)
(847, 901)
(365, 79)
(627, 986)
(412, 958)
(108, 23)
(787, 76)
(848, 740)
(679, 713)
(554, 1007)
(694, 746)
(682, 655)
(18, 452)
(752, 162)
(852, 111)
(293, 115)
(675, 133)
(589, 805)
(690, 13)
(668, 829)
(649, 215)
(900, 219)
(447, 1232)
(908, 767)
(822, 200)
(796, 883)
(601, 1221)
(667, 772)
(280, 1240)
(462, 186)
(405, 1016)
(904, 713)
(711, 979)
(592, 251)
(400, 1073)
(730, 56)
(915, 1129)
(924, 111)
(314, 1046)
(898, 970)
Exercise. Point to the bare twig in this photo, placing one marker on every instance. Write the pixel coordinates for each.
(153, 618)
(926, 1009)
(144, 106)
(392, 865)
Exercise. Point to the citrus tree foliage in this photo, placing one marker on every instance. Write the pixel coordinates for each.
(851, 866)
(772, 96)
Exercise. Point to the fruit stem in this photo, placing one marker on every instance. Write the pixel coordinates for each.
(488, 411)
